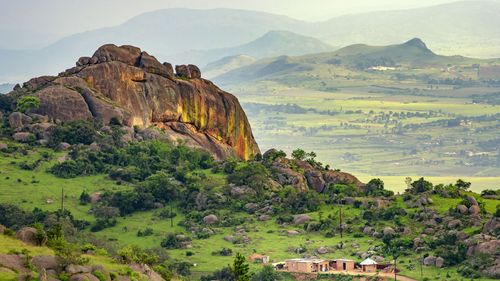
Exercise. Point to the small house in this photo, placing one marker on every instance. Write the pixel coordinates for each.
(342, 264)
(307, 265)
(369, 265)
(257, 258)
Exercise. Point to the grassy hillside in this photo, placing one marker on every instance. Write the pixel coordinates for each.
(268, 237)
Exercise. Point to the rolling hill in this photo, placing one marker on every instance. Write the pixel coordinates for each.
(271, 44)
(412, 54)
(469, 28)
(227, 64)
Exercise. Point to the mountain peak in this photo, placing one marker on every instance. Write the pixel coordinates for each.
(417, 42)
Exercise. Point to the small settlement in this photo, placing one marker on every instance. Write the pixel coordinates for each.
(327, 266)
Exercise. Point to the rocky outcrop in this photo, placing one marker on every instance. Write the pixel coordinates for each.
(130, 85)
(28, 236)
(304, 176)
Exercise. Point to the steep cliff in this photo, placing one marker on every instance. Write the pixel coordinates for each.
(132, 86)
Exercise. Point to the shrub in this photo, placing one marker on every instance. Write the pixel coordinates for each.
(146, 232)
(84, 197)
(173, 241)
(420, 186)
(73, 132)
(135, 254)
(223, 252)
(267, 273)
(25, 103)
(99, 275)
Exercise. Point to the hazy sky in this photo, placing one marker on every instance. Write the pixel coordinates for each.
(55, 18)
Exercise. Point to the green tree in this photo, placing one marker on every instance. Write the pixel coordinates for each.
(266, 274)
(299, 154)
(26, 103)
(84, 198)
(420, 186)
(240, 268)
(462, 184)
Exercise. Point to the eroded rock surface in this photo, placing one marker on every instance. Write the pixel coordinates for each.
(132, 86)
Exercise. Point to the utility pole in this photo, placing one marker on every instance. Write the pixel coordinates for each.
(421, 262)
(62, 200)
(171, 215)
(395, 268)
(340, 218)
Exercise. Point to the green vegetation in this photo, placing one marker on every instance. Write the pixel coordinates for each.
(26, 103)
(138, 209)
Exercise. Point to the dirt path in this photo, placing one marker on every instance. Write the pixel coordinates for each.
(389, 276)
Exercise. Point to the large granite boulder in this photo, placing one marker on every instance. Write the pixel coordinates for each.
(132, 86)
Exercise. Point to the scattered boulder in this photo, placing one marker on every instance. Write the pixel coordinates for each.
(28, 235)
(251, 207)
(95, 197)
(389, 231)
(462, 209)
(492, 226)
(349, 201)
(378, 259)
(18, 120)
(83, 277)
(315, 180)
(439, 262)
(75, 269)
(368, 230)
(46, 262)
(151, 65)
(429, 230)
(407, 231)
(241, 191)
(63, 146)
(322, 250)
(3, 146)
(301, 219)
(292, 232)
(472, 200)
(182, 71)
(14, 262)
(489, 247)
(229, 238)
(194, 71)
(454, 224)
(430, 261)
(263, 218)
(210, 219)
(474, 210)
(23, 136)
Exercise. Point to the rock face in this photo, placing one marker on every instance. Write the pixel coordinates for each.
(311, 177)
(132, 86)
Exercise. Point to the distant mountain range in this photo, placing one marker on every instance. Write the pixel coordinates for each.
(359, 57)
(5, 88)
(201, 36)
(271, 44)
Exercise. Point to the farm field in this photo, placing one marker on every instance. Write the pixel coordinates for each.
(392, 132)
